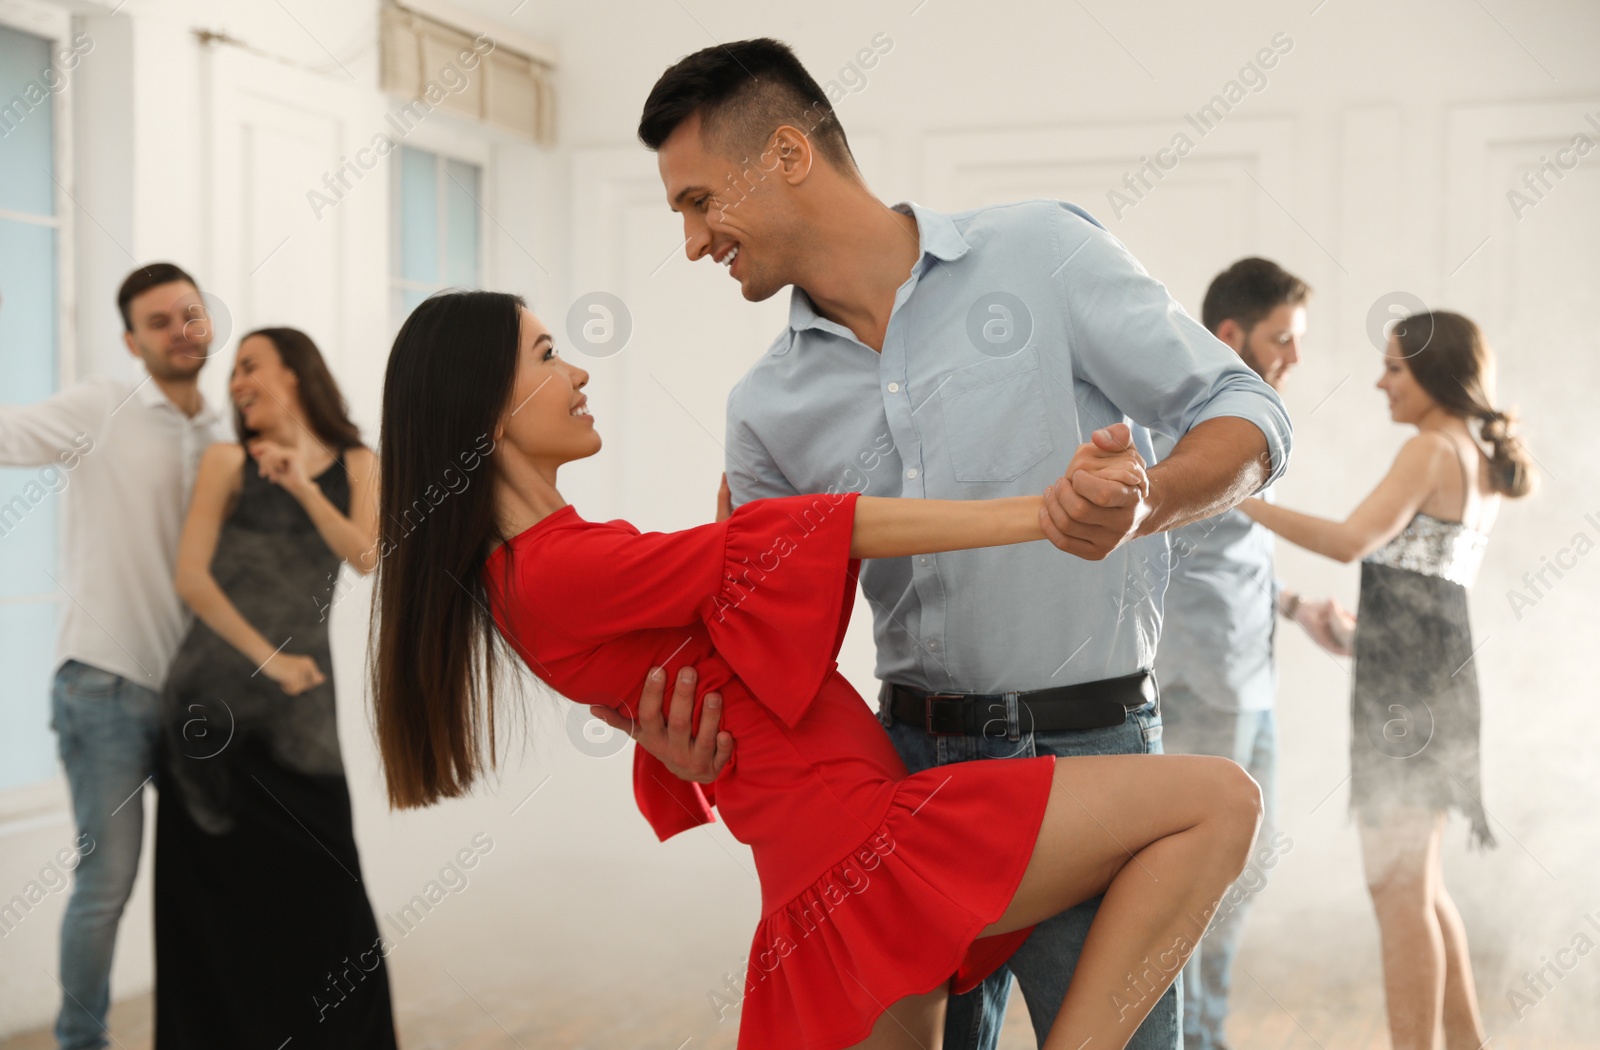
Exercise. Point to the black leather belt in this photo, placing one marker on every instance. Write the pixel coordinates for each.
(1086, 705)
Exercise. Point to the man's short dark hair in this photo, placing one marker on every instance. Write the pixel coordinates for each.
(142, 280)
(1248, 291)
(743, 92)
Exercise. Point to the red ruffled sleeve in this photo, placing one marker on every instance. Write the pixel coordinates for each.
(778, 619)
(774, 585)
(788, 588)
(669, 804)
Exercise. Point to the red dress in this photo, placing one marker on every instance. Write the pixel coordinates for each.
(874, 884)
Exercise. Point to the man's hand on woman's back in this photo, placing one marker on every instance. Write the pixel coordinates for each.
(695, 753)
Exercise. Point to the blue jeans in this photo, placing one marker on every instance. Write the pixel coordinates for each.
(1043, 965)
(1250, 738)
(106, 734)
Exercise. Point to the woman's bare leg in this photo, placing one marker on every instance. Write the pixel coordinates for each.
(1463, 1024)
(1400, 852)
(1162, 837)
(913, 1023)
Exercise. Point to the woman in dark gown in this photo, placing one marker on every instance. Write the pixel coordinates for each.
(1414, 701)
(264, 934)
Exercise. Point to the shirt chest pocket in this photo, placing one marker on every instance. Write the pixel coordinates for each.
(995, 418)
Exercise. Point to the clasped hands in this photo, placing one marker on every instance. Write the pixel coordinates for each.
(1096, 505)
(1102, 497)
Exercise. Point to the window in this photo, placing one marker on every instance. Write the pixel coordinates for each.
(30, 370)
(436, 233)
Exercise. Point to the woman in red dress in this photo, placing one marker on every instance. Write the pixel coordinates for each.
(869, 915)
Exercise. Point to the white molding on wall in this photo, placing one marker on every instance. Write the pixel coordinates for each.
(606, 181)
(1475, 206)
(1378, 238)
(956, 159)
(245, 92)
(1245, 173)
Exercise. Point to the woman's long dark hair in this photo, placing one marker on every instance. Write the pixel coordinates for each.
(326, 412)
(1451, 360)
(433, 641)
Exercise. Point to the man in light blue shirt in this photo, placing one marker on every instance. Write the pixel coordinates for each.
(963, 357)
(1223, 597)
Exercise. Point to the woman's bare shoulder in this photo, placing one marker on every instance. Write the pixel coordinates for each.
(220, 466)
(224, 452)
(360, 459)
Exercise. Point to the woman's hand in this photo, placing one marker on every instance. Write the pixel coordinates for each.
(294, 673)
(1120, 469)
(281, 465)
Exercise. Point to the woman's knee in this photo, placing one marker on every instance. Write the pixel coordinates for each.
(1400, 891)
(1238, 806)
(1397, 859)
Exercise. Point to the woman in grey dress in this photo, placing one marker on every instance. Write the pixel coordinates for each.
(1420, 536)
(264, 934)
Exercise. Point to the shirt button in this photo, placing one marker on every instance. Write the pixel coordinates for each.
(894, 388)
(922, 559)
(933, 647)
(911, 473)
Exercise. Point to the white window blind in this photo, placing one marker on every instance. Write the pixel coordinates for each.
(481, 78)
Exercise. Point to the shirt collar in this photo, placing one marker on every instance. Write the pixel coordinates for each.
(152, 396)
(936, 231)
(936, 236)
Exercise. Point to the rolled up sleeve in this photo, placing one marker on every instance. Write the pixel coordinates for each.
(1131, 340)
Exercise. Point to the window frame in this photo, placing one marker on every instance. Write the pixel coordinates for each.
(447, 143)
(54, 25)
(45, 802)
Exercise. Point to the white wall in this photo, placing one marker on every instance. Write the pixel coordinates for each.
(1376, 159)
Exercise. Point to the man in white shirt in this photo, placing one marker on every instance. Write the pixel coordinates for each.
(131, 450)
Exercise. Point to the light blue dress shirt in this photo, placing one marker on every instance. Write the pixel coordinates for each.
(1220, 611)
(1021, 329)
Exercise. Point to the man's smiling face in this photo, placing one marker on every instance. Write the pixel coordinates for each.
(735, 210)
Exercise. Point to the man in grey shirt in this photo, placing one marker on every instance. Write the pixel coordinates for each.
(1223, 598)
(963, 357)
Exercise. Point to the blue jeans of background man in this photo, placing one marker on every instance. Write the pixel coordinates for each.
(106, 734)
(1044, 963)
(1250, 738)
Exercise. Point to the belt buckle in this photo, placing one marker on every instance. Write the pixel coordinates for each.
(943, 714)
